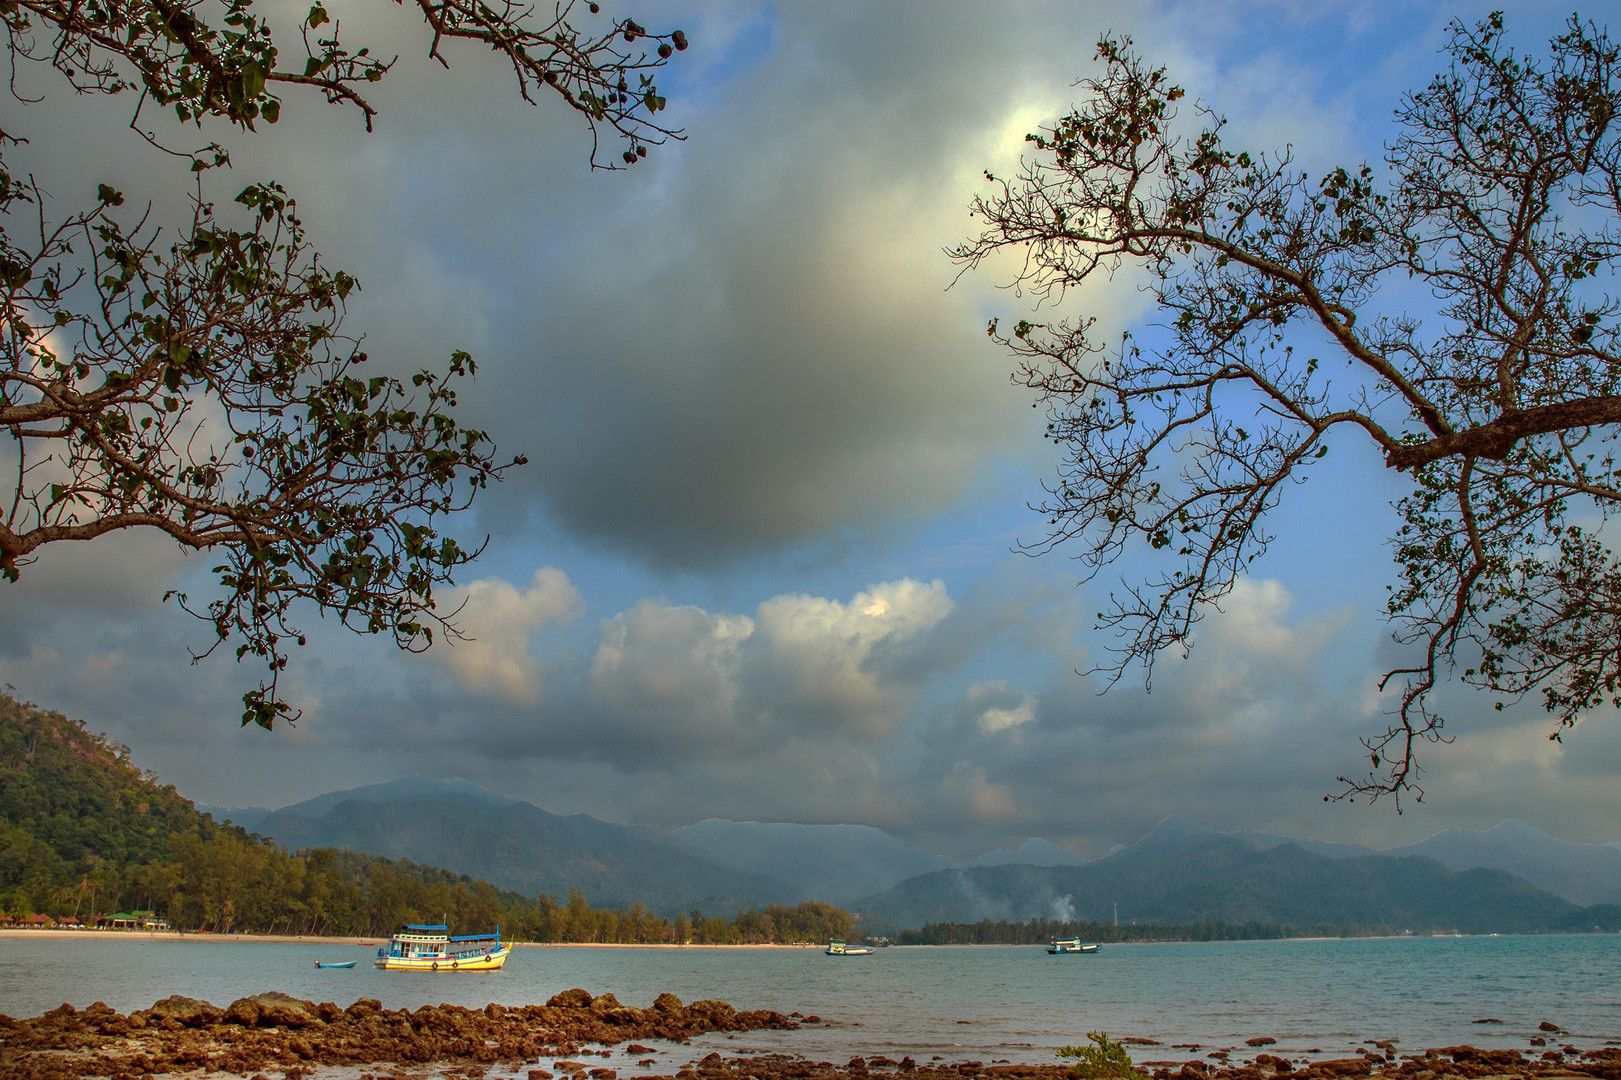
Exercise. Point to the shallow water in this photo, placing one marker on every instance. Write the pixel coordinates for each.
(1013, 1003)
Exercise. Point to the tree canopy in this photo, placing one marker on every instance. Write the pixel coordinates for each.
(84, 832)
(1450, 306)
(197, 378)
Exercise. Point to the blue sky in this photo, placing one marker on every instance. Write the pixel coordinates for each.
(761, 564)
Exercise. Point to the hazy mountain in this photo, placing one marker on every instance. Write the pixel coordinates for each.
(1186, 875)
(248, 817)
(1173, 830)
(518, 846)
(1581, 873)
(1033, 852)
(836, 863)
(721, 865)
(403, 789)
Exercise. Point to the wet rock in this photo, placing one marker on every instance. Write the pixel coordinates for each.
(667, 1002)
(717, 1014)
(570, 999)
(1357, 1066)
(1261, 1040)
(1549, 1025)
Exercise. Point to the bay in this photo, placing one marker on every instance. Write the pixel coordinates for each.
(985, 1003)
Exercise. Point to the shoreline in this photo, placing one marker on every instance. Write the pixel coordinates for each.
(11, 933)
(304, 1040)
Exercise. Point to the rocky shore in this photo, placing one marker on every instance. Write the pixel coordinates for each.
(275, 1034)
(276, 1037)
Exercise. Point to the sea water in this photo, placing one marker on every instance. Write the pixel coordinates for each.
(1009, 1003)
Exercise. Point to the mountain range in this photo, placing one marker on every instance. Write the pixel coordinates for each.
(1511, 877)
(1178, 875)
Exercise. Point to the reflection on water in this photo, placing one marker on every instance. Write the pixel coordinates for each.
(990, 1003)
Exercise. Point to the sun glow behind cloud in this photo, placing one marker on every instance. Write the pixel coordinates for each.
(769, 497)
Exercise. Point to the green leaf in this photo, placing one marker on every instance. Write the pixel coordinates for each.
(253, 80)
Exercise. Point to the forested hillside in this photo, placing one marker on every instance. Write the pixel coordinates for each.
(83, 832)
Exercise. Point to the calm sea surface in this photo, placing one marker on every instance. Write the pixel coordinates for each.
(1013, 1003)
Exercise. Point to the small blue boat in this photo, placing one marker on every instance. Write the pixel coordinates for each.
(335, 964)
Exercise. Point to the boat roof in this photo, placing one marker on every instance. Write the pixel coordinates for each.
(476, 937)
(424, 926)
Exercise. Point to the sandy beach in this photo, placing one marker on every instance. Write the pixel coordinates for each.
(297, 939)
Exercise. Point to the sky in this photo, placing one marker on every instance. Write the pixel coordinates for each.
(764, 561)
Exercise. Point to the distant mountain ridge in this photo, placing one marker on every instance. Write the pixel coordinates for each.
(1584, 874)
(1581, 873)
(835, 863)
(1202, 875)
(720, 866)
(516, 845)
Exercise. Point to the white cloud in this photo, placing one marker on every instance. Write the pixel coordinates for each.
(994, 711)
(671, 668)
(497, 619)
(824, 657)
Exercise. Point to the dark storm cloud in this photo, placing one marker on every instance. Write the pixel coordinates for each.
(746, 346)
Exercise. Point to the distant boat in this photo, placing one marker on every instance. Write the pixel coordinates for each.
(429, 947)
(839, 948)
(335, 963)
(1061, 946)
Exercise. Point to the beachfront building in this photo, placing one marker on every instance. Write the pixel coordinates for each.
(132, 920)
(27, 922)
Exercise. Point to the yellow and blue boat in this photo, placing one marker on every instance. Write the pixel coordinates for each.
(430, 947)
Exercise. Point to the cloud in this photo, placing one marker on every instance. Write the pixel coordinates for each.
(496, 619)
(978, 800)
(998, 707)
(823, 662)
(692, 682)
(672, 672)
(747, 391)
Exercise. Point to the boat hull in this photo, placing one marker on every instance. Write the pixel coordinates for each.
(490, 961)
(1065, 948)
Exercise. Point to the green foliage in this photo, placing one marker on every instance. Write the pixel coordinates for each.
(1105, 1059)
(1497, 396)
(84, 832)
(196, 379)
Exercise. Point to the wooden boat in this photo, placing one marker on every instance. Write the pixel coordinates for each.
(1064, 946)
(335, 963)
(430, 947)
(839, 948)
